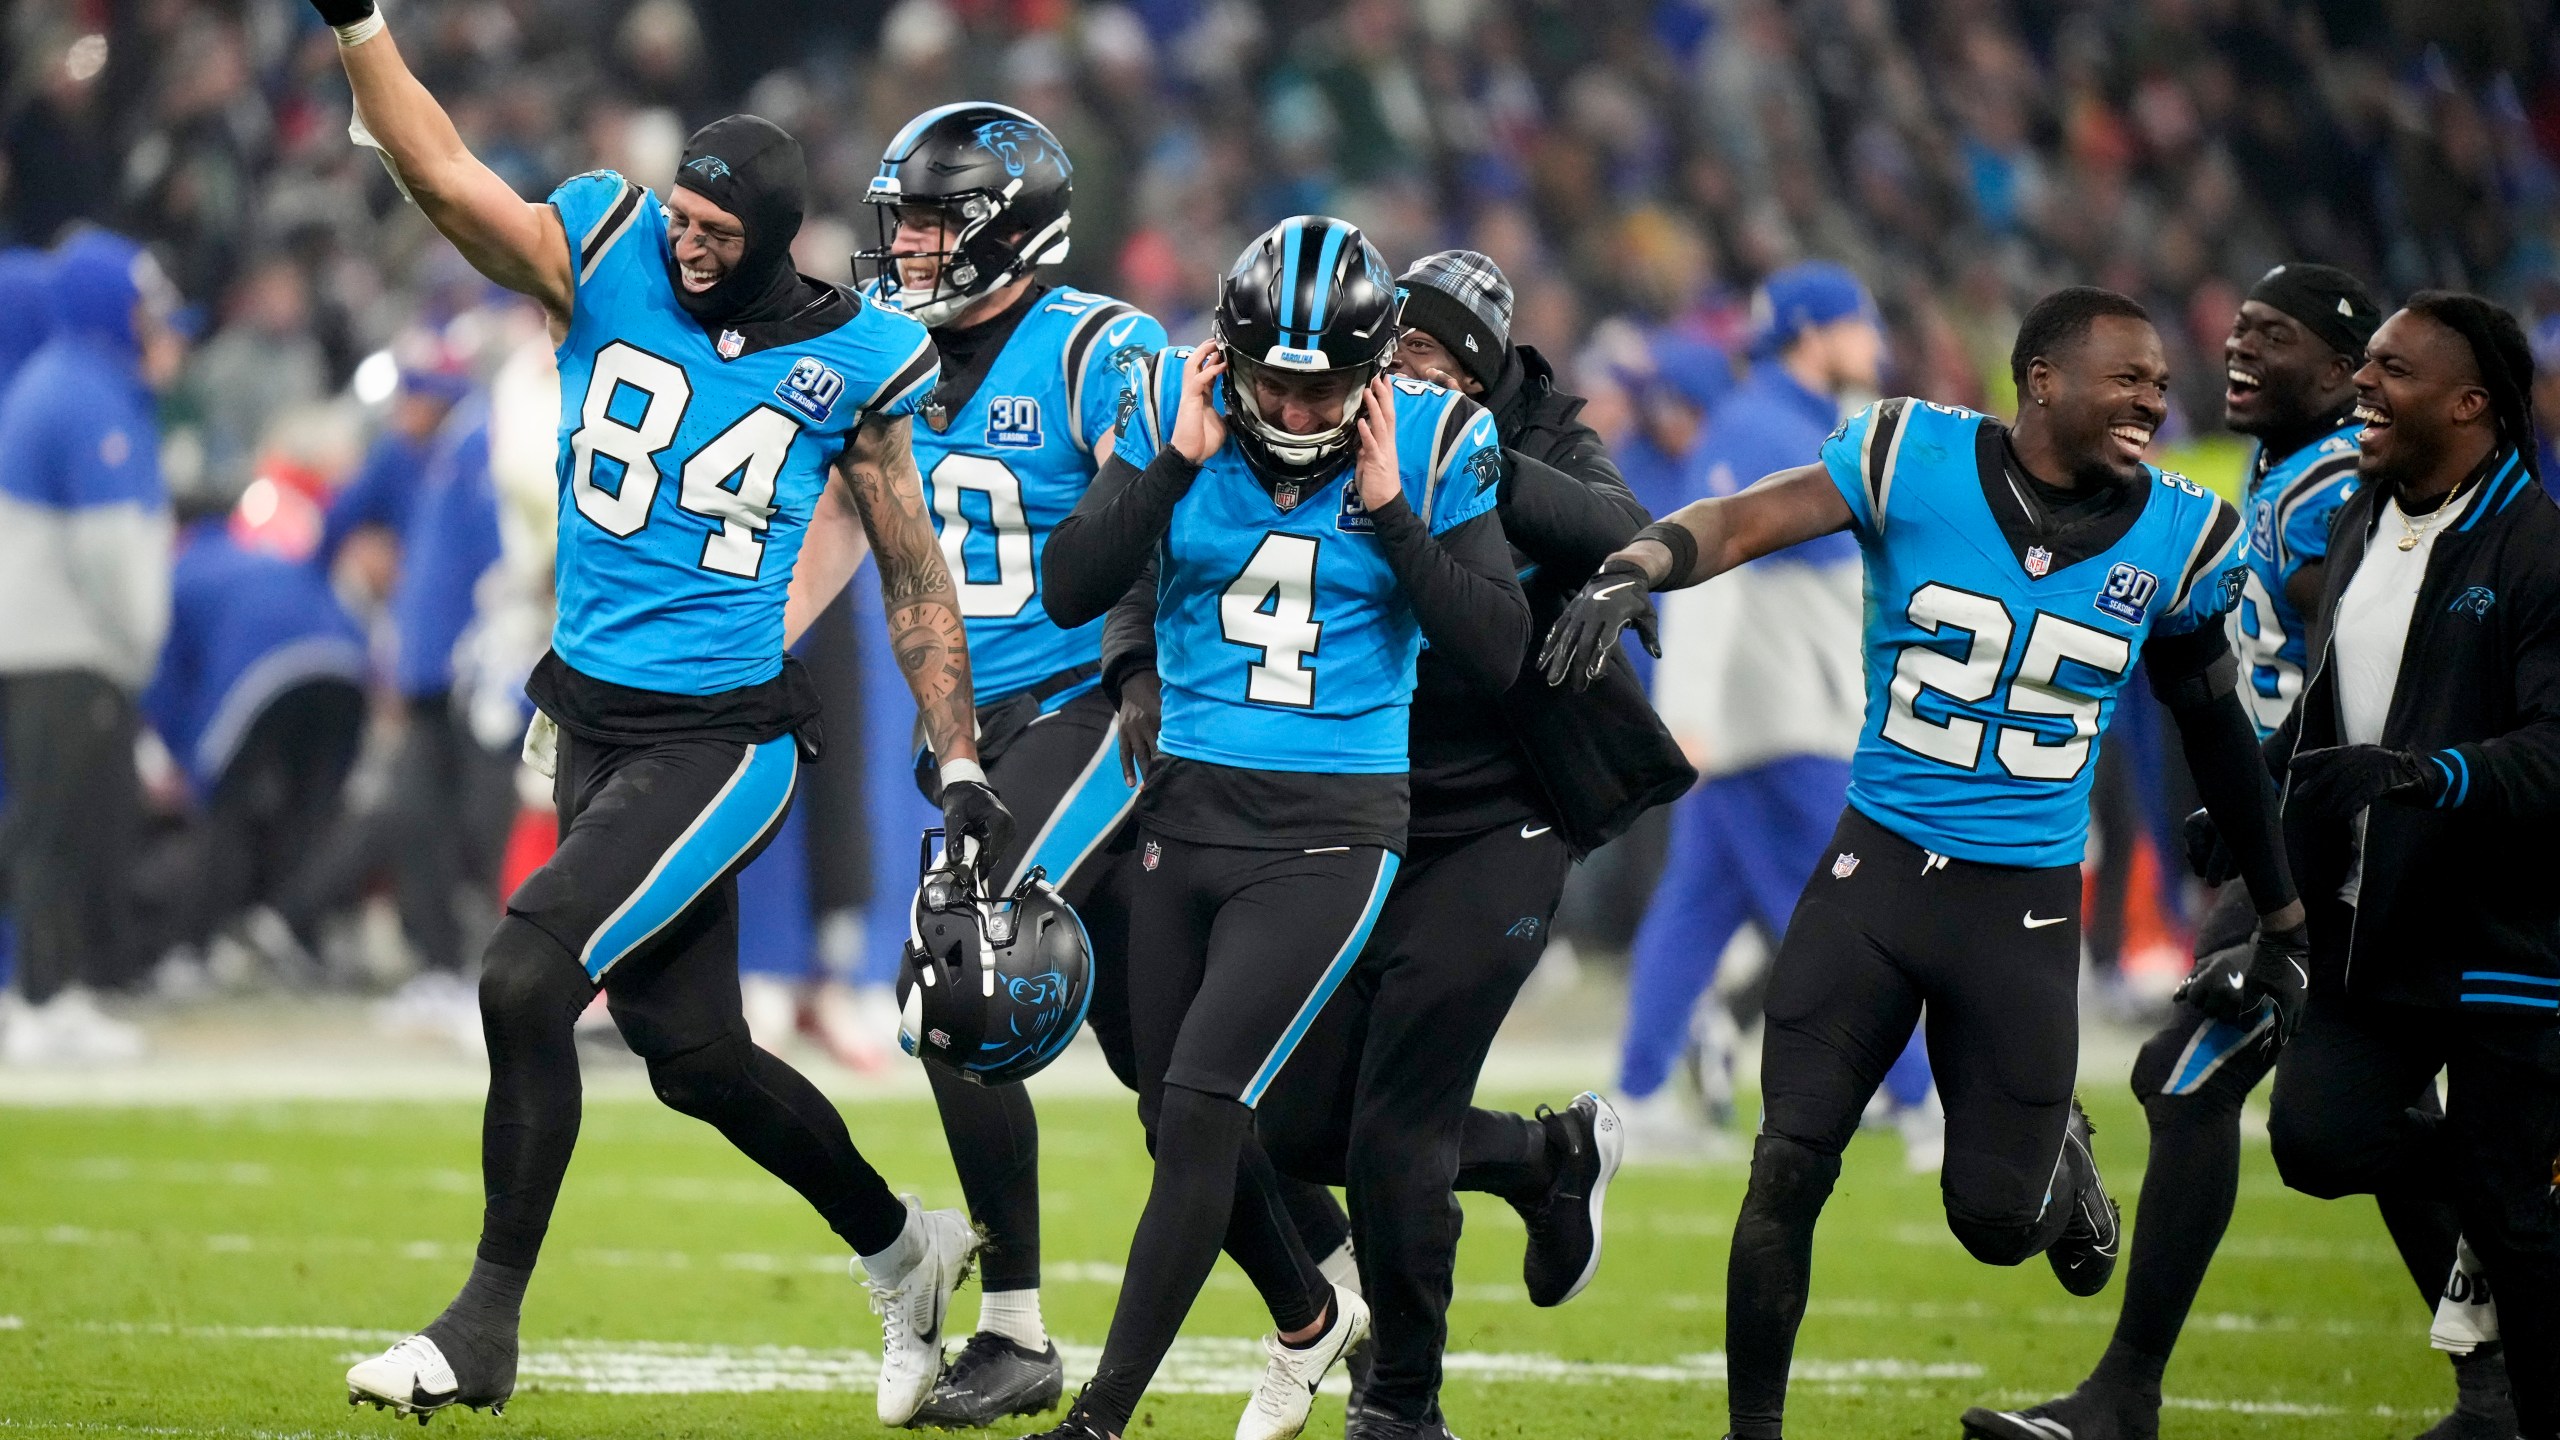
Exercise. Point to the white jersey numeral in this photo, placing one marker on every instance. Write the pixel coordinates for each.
(664, 392)
(749, 453)
(1016, 581)
(1984, 624)
(2258, 634)
(2039, 687)
(1270, 606)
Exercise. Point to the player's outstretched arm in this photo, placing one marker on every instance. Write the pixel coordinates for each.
(830, 552)
(1695, 543)
(516, 243)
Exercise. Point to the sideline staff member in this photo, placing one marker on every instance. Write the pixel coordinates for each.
(2425, 779)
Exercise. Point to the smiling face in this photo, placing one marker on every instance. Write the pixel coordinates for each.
(1420, 357)
(2278, 377)
(2104, 398)
(708, 241)
(923, 235)
(2419, 386)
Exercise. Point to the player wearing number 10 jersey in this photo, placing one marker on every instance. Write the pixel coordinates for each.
(2012, 576)
(707, 390)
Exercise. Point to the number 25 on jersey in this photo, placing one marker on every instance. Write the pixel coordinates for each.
(1963, 679)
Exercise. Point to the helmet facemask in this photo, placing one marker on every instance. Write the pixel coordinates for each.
(1270, 443)
(971, 263)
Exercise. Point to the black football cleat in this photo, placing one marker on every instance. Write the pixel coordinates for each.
(1380, 1427)
(1359, 1362)
(2091, 1412)
(990, 1379)
(2084, 1259)
(1588, 1141)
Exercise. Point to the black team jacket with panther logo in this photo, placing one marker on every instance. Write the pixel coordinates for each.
(2459, 905)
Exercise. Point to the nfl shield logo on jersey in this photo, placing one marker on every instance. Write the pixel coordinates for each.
(2039, 560)
(1154, 853)
(731, 342)
(1844, 867)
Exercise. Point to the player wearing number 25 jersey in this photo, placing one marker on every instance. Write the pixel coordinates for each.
(1308, 524)
(2013, 576)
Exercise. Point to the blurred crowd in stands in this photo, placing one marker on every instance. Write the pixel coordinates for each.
(352, 492)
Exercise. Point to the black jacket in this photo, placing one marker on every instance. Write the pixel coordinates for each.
(2457, 905)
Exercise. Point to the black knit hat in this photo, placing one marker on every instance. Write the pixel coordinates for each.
(1460, 298)
(2328, 301)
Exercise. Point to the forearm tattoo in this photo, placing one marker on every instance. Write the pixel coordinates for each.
(925, 631)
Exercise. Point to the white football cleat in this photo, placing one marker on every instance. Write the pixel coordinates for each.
(912, 1308)
(1278, 1410)
(68, 1029)
(411, 1378)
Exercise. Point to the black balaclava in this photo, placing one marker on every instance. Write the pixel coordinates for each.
(753, 169)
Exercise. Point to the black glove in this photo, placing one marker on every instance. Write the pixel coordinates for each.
(972, 813)
(2336, 782)
(342, 12)
(2274, 971)
(2207, 856)
(1141, 715)
(1587, 631)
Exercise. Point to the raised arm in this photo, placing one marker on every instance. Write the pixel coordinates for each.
(516, 243)
(1695, 543)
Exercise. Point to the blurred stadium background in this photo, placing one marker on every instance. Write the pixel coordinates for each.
(355, 403)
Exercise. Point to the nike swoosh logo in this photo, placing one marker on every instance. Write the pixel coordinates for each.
(2033, 923)
(1528, 834)
(1119, 332)
(2237, 980)
(1612, 590)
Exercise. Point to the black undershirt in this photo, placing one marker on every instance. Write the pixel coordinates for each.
(968, 352)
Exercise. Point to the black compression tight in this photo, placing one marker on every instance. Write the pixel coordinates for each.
(1195, 1204)
(531, 993)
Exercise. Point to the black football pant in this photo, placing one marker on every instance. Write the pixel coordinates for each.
(2352, 1115)
(1379, 1094)
(1061, 778)
(1882, 928)
(73, 824)
(641, 899)
(1232, 954)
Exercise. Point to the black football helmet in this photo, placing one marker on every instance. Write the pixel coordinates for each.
(1311, 296)
(990, 989)
(1005, 182)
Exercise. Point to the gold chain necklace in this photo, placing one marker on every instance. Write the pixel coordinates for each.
(2410, 534)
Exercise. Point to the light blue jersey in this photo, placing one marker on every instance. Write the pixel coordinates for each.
(1991, 674)
(1001, 470)
(687, 477)
(2291, 502)
(1283, 639)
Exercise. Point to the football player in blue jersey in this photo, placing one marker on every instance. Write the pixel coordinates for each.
(2291, 359)
(731, 434)
(2014, 575)
(971, 199)
(1309, 523)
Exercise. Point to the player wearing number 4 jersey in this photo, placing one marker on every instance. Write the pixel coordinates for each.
(1309, 523)
(2013, 577)
(707, 391)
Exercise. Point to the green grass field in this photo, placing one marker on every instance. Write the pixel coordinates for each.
(178, 1271)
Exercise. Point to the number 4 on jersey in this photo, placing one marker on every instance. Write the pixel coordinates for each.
(1270, 606)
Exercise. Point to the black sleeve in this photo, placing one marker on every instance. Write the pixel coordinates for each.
(1568, 521)
(2198, 679)
(1463, 591)
(1129, 636)
(1095, 554)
